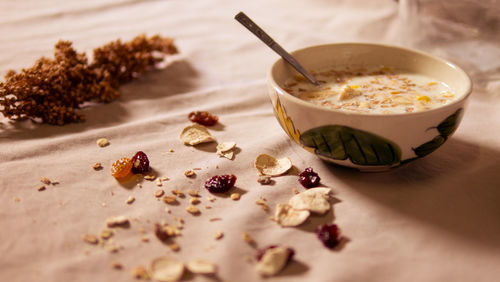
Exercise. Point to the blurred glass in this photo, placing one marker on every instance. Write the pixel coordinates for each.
(466, 32)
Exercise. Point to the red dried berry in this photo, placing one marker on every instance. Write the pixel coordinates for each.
(260, 252)
(140, 162)
(329, 235)
(203, 118)
(308, 178)
(220, 183)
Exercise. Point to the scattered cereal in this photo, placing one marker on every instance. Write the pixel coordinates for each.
(264, 179)
(140, 272)
(130, 200)
(210, 198)
(158, 182)
(97, 166)
(247, 238)
(194, 201)
(189, 173)
(235, 196)
(196, 134)
(117, 221)
(116, 265)
(208, 207)
(144, 238)
(45, 180)
(178, 193)
(106, 234)
(165, 231)
(158, 193)
(150, 177)
(170, 199)
(215, 219)
(218, 235)
(90, 238)
(174, 247)
(269, 165)
(41, 188)
(286, 216)
(192, 210)
(201, 267)
(102, 142)
(193, 193)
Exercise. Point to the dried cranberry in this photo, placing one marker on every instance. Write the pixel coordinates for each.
(203, 118)
(308, 178)
(260, 252)
(220, 183)
(329, 235)
(140, 162)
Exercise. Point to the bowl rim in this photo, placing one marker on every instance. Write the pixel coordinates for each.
(297, 100)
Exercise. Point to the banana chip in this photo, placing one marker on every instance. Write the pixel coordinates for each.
(273, 261)
(196, 134)
(269, 165)
(225, 149)
(166, 269)
(287, 216)
(315, 200)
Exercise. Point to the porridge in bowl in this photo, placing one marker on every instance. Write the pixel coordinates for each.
(377, 90)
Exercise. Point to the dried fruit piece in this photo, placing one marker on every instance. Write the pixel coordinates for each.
(308, 178)
(269, 165)
(201, 267)
(329, 234)
(102, 142)
(225, 149)
(273, 259)
(315, 200)
(220, 183)
(203, 118)
(140, 162)
(117, 221)
(286, 216)
(166, 269)
(121, 168)
(196, 134)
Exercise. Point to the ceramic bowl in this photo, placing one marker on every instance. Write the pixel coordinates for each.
(368, 142)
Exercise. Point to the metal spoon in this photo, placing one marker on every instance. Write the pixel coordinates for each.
(262, 35)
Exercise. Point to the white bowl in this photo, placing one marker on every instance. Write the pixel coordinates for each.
(368, 141)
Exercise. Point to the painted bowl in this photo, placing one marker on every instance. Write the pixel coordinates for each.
(368, 141)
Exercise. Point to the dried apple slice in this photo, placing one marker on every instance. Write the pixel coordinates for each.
(269, 165)
(287, 216)
(315, 200)
(196, 134)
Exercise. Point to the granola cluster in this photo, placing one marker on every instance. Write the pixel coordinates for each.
(53, 89)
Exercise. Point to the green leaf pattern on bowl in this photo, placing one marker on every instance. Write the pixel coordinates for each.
(445, 129)
(360, 147)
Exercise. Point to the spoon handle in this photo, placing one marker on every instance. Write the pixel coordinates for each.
(262, 35)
